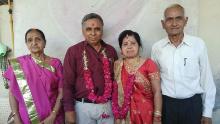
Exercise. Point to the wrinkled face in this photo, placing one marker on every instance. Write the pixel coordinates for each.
(130, 47)
(92, 30)
(35, 42)
(174, 21)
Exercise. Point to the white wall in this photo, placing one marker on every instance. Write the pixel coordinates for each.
(6, 39)
(209, 30)
(5, 25)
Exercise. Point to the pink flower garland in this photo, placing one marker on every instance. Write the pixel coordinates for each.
(121, 112)
(90, 84)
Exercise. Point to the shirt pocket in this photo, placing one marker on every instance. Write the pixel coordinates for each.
(190, 68)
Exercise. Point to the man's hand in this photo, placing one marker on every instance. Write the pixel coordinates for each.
(70, 117)
(206, 120)
(117, 121)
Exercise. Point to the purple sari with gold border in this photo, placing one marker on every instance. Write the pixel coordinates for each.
(41, 81)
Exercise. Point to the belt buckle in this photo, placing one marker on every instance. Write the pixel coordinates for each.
(83, 100)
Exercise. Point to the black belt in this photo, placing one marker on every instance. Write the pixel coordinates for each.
(85, 100)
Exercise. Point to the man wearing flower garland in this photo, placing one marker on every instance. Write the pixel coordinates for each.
(88, 71)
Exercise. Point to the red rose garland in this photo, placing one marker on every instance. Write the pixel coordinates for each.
(90, 84)
(121, 112)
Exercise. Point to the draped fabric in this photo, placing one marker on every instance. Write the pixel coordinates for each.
(141, 107)
(60, 16)
(43, 83)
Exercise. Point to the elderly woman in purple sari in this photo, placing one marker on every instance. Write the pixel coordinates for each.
(36, 84)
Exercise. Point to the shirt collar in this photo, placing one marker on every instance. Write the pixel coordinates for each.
(87, 44)
(184, 41)
(166, 42)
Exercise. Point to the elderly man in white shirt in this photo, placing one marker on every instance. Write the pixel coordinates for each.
(187, 84)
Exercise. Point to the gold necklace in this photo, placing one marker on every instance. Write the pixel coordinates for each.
(40, 57)
(132, 66)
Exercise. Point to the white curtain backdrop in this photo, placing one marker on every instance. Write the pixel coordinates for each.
(60, 20)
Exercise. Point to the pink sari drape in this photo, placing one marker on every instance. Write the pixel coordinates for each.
(43, 85)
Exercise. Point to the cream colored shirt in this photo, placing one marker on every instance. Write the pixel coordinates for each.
(185, 70)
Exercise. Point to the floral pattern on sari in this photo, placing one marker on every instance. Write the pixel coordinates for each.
(141, 107)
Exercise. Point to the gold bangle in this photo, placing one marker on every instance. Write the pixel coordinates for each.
(54, 112)
(157, 113)
(13, 114)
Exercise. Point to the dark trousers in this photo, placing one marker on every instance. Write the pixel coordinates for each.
(182, 111)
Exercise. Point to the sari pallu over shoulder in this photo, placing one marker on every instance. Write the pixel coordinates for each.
(141, 100)
(28, 75)
(25, 91)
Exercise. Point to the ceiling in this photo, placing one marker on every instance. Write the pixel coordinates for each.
(4, 2)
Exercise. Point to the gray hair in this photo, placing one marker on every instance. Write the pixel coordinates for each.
(92, 16)
(175, 6)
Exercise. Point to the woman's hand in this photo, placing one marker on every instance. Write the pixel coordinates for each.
(14, 107)
(155, 122)
(50, 119)
(70, 117)
(17, 119)
(117, 121)
(157, 119)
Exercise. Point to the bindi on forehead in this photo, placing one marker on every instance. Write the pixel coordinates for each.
(93, 24)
